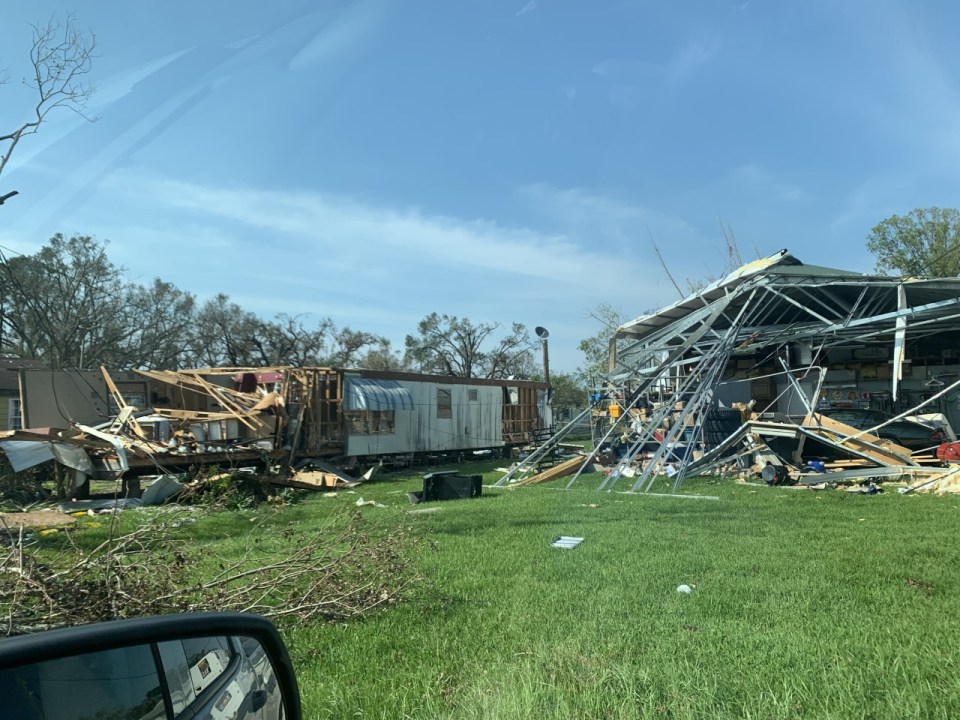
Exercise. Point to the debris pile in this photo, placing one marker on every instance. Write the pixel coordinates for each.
(222, 418)
(787, 372)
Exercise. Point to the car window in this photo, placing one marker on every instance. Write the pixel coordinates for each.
(267, 678)
(845, 417)
(177, 672)
(121, 683)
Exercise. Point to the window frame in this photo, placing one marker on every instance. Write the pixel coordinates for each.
(444, 403)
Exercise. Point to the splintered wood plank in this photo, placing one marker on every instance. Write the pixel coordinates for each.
(238, 411)
(193, 415)
(883, 451)
(567, 467)
(124, 409)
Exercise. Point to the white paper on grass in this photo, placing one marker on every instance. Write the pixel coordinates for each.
(567, 542)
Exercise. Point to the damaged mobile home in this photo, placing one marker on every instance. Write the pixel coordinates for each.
(107, 425)
(782, 369)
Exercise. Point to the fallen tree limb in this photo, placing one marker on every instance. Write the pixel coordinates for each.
(344, 570)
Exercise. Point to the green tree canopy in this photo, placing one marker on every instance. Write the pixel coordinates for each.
(596, 348)
(569, 391)
(924, 242)
(69, 305)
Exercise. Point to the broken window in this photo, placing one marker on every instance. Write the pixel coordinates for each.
(370, 422)
(444, 404)
(134, 394)
(14, 418)
(383, 421)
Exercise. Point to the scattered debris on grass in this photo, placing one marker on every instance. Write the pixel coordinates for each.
(566, 542)
(372, 503)
(346, 569)
(448, 485)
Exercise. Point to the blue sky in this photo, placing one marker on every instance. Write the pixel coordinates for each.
(377, 160)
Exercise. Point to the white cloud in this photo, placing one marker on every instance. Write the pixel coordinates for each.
(529, 7)
(382, 268)
(345, 231)
(758, 180)
(689, 58)
(608, 219)
(341, 36)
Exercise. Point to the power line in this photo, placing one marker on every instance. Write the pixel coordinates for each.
(937, 258)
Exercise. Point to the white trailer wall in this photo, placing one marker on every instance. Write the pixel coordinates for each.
(473, 423)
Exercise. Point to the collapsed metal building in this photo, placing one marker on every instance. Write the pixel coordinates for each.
(745, 373)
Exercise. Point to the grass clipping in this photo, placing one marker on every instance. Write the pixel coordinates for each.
(347, 569)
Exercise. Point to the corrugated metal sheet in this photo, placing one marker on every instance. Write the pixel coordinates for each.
(23, 454)
(367, 394)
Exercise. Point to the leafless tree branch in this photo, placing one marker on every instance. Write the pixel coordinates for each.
(61, 58)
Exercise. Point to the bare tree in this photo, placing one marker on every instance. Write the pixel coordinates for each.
(158, 320)
(732, 259)
(223, 334)
(449, 345)
(61, 58)
(347, 345)
(226, 334)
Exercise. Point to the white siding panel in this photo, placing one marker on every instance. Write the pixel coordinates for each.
(473, 425)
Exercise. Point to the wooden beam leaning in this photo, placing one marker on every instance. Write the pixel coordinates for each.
(238, 411)
(881, 451)
(562, 469)
(124, 411)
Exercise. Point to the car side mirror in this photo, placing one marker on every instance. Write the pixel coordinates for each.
(189, 666)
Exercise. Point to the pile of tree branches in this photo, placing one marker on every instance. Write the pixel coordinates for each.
(347, 569)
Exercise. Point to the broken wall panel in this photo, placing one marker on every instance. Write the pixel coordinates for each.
(281, 414)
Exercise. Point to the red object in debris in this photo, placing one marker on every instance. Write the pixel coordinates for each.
(261, 377)
(949, 452)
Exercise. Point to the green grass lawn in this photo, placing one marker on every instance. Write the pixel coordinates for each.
(805, 605)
